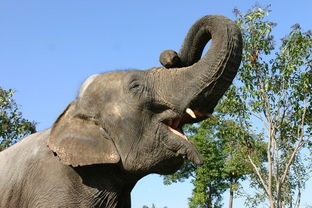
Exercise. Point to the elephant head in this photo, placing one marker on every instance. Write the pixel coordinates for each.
(134, 119)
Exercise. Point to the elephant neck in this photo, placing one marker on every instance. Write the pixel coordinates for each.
(106, 186)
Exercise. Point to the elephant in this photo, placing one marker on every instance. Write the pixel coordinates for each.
(124, 125)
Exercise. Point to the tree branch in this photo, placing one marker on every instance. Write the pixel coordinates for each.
(298, 200)
(299, 144)
(259, 175)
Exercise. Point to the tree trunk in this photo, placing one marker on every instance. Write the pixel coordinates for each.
(209, 201)
(232, 182)
(231, 198)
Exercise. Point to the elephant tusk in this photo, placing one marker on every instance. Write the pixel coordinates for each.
(190, 112)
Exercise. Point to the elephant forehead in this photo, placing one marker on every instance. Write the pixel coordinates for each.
(86, 84)
(98, 83)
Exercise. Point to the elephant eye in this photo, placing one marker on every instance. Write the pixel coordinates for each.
(136, 87)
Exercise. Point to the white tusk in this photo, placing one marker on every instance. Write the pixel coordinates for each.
(190, 112)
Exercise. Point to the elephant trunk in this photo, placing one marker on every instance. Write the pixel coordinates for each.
(200, 82)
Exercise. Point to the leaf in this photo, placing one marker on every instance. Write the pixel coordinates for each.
(13, 126)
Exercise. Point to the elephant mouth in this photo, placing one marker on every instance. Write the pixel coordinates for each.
(175, 125)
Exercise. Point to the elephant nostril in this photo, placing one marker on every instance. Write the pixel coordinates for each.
(169, 59)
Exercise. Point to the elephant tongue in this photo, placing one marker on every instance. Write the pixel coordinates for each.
(173, 126)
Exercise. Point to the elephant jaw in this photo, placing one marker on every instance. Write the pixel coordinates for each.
(178, 142)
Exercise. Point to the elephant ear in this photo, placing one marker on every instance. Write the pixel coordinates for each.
(79, 140)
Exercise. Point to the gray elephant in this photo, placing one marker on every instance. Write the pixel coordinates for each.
(122, 126)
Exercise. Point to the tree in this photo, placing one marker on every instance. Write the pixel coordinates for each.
(13, 126)
(264, 122)
(276, 89)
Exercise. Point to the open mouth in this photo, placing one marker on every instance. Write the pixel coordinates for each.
(175, 124)
(182, 146)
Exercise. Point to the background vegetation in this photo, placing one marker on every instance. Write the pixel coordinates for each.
(262, 126)
(13, 126)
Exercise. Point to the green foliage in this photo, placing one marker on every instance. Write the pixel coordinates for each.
(209, 185)
(275, 85)
(264, 122)
(13, 126)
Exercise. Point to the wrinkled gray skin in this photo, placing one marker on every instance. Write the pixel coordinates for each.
(123, 126)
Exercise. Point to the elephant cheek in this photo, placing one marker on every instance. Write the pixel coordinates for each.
(149, 154)
(152, 160)
(164, 162)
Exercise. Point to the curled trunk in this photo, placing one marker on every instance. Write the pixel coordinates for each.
(200, 82)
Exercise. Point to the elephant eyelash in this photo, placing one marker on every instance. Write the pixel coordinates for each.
(136, 88)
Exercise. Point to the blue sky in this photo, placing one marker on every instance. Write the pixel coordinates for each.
(47, 48)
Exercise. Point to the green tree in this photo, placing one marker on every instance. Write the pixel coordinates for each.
(264, 122)
(275, 85)
(13, 126)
